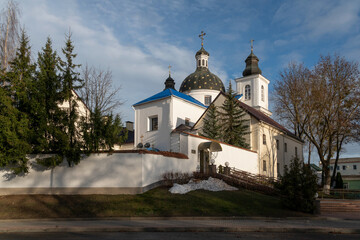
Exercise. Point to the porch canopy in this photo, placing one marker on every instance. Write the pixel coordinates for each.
(212, 146)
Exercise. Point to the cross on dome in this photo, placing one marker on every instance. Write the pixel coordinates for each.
(201, 36)
(169, 69)
(252, 44)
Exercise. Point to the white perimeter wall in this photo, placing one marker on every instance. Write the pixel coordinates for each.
(119, 170)
(237, 157)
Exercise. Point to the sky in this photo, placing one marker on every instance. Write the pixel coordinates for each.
(138, 40)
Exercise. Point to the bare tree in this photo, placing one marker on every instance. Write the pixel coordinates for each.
(9, 33)
(98, 91)
(322, 105)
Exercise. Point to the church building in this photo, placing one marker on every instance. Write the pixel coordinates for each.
(172, 120)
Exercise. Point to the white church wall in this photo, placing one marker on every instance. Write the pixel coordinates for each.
(199, 94)
(159, 138)
(255, 82)
(97, 174)
(182, 109)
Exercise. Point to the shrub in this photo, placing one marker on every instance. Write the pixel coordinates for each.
(298, 187)
(170, 178)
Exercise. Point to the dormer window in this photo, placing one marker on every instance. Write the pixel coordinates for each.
(207, 100)
(262, 93)
(247, 92)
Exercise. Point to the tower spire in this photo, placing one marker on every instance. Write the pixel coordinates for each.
(252, 62)
(169, 82)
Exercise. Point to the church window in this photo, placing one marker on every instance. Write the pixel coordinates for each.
(247, 92)
(296, 153)
(354, 167)
(337, 167)
(264, 139)
(277, 144)
(207, 100)
(278, 169)
(153, 123)
(199, 63)
(206, 63)
(344, 167)
(262, 94)
(187, 121)
(264, 165)
(203, 62)
(285, 147)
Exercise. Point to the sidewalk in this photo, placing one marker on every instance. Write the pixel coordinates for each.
(206, 224)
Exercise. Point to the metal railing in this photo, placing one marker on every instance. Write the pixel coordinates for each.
(339, 194)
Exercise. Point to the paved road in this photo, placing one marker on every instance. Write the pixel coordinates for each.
(308, 225)
(176, 236)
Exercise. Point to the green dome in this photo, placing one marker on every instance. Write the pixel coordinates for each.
(202, 78)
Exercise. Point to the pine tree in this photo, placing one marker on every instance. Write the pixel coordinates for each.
(13, 135)
(21, 74)
(71, 82)
(234, 127)
(49, 119)
(211, 127)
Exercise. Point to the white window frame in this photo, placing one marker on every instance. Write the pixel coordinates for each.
(247, 92)
(207, 97)
(150, 123)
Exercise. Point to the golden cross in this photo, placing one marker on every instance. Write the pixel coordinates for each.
(169, 69)
(201, 36)
(252, 44)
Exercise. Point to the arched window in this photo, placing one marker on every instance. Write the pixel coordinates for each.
(247, 92)
(199, 62)
(262, 93)
(206, 63)
(203, 62)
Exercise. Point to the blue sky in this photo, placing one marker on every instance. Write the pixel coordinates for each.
(137, 40)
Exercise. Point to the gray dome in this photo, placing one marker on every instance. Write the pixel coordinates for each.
(202, 78)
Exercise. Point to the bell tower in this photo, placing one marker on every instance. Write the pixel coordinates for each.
(253, 85)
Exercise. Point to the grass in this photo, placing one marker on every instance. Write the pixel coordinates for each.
(158, 202)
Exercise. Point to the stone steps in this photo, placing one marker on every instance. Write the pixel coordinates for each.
(339, 205)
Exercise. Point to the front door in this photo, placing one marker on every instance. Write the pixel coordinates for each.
(204, 161)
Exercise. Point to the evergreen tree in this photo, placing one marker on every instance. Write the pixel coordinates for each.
(71, 82)
(13, 135)
(113, 132)
(211, 127)
(21, 75)
(234, 127)
(298, 187)
(49, 119)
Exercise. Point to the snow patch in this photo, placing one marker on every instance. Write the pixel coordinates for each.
(212, 184)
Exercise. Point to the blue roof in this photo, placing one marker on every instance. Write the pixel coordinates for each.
(170, 92)
(238, 96)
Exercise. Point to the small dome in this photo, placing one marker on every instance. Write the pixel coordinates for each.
(169, 83)
(202, 78)
(202, 51)
(252, 66)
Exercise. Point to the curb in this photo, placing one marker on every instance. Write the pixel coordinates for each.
(185, 229)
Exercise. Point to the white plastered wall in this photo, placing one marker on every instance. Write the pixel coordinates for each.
(159, 138)
(98, 171)
(255, 82)
(199, 94)
(237, 157)
(182, 109)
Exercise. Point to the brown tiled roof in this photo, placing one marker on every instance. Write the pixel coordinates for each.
(143, 151)
(182, 127)
(264, 118)
(213, 140)
(259, 116)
